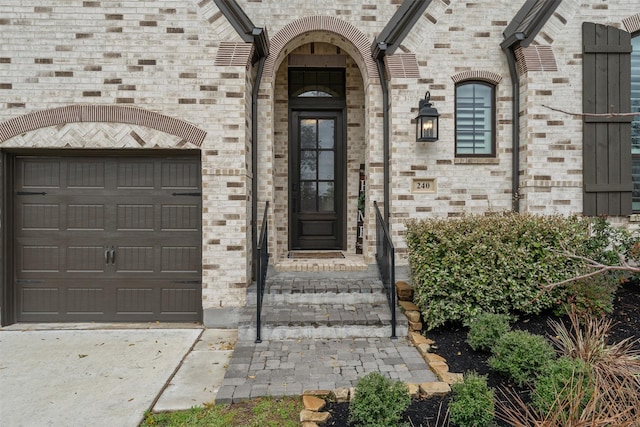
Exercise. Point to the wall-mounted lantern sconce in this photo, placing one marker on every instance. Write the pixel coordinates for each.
(427, 121)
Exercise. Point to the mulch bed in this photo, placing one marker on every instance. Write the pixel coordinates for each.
(451, 344)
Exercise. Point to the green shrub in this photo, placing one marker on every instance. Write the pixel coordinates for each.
(485, 330)
(472, 402)
(378, 402)
(588, 297)
(521, 355)
(465, 266)
(559, 382)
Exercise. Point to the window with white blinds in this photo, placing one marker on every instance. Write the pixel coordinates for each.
(635, 124)
(475, 123)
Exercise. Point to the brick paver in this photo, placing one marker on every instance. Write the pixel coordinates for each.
(286, 368)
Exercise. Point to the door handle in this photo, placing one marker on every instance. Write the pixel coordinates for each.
(110, 255)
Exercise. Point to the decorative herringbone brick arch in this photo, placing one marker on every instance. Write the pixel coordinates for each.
(327, 24)
(486, 76)
(101, 113)
(632, 23)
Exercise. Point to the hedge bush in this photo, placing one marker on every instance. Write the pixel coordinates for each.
(465, 266)
(521, 355)
(559, 384)
(378, 402)
(472, 403)
(486, 329)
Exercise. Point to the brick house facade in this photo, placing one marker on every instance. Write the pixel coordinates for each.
(144, 83)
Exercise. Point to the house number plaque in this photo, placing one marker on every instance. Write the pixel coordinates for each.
(423, 185)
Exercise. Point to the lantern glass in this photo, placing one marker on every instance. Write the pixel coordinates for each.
(427, 128)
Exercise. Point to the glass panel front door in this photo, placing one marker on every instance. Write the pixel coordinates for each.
(316, 180)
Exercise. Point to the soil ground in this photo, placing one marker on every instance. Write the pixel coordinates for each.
(451, 344)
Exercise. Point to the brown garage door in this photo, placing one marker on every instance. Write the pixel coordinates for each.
(107, 239)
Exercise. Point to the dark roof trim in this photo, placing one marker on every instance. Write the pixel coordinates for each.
(244, 27)
(398, 27)
(237, 18)
(528, 21)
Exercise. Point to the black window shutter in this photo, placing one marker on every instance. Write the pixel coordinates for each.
(606, 88)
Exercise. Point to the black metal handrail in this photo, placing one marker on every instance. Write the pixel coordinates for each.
(386, 260)
(262, 261)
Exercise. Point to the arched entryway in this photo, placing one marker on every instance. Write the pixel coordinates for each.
(323, 42)
(320, 148)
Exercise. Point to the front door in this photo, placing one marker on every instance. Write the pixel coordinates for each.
(317, 180)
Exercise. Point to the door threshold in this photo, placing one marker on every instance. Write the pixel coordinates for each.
(347, 262)
(314, 254)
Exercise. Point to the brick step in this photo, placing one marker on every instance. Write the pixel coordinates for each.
(318, 291)
(321, 305)
(335, 320)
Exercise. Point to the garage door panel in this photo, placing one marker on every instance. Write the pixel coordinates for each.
(180, 175)
(136, 174)
(35, 173)
(180, 259)
(41, 300)
(82, 173)
(176, 301)
(135, 217)
(135, 301)
(180, 217)
(86, 217)
(134, 259)
(86, 259)
(86, 301)
(40, 259)
(39, 216)
(109, 240)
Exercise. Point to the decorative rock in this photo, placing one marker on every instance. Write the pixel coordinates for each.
(451, 377)
(352, 392)
(318, 393)
(417, 339)
(415, 326)
(424, 349)
(414, 389)
(435, 389)
(432, 357)
(309, 424)
(413, 316)
(314, 417)
(439, 368)
(408, 306)
(404, 290)
(341, 394)
(313, 403)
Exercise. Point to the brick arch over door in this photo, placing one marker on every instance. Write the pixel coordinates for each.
(101, 113)
(327, 24)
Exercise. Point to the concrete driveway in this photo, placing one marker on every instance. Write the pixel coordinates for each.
(100, 377)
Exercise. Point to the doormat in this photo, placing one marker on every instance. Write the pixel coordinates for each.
(315, 255)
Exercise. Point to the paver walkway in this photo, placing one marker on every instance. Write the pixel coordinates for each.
(285, 368)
